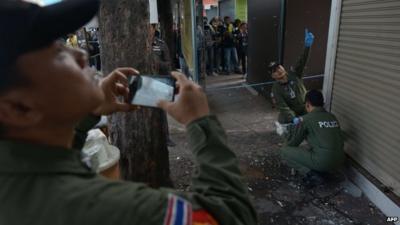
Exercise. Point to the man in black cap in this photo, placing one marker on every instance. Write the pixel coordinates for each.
(47, 88)
(289, 90)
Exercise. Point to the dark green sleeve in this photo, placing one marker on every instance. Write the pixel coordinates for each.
(286, 115)
(301, 63)
(296, 134)
(217, 188)
(218, 180)
(81, 131)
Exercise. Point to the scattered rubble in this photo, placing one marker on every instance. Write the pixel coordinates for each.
(277, 192)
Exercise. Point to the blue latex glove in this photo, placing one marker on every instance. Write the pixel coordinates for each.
(296, 120)
(308, 39)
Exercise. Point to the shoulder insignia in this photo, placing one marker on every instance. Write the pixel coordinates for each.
(202, 217)
(179, 211)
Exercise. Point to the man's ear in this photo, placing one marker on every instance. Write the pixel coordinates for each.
(308, 106)
(18, 110)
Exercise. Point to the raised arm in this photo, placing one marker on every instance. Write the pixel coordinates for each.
(114, 85)
(218, 195)
(217, 185)
(303, 59)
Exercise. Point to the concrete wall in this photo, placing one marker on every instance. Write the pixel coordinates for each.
(212, 12)
(311, 14)
(264, 32)
(227, 8)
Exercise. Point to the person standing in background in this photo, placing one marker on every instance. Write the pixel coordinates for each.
(221, 30)
(163, 65)
(243, 42)
(209, 49)
(236, 32)
(72, 41)
(230, 53)
(160, 52)
(217, 37)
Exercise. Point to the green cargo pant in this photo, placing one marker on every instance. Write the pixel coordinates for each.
(305, 159)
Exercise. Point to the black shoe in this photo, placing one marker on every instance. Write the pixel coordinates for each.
(313, 179)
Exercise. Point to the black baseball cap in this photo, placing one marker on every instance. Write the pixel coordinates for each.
(26, 27)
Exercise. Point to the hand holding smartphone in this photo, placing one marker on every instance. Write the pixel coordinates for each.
(191, 104)
(146, 90)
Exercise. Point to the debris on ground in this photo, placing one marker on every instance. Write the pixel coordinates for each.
(277, 192)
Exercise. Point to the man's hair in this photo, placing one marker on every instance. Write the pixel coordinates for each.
(272, 67)
(315, 98)
(237, 22)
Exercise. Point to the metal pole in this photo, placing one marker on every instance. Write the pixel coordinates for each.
(333, 36)
(194, 41)
(281, 36)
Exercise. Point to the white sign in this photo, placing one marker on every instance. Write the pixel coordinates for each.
(153, 11)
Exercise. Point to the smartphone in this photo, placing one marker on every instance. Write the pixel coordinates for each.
(148, 90)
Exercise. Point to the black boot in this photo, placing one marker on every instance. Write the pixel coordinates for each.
(314, 178)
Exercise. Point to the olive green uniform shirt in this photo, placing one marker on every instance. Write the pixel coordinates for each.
(322, 131)
(50, 185)
(290, 96)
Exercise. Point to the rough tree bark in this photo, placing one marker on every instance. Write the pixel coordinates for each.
(140, 135)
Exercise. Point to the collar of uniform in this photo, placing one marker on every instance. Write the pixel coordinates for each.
(319, 109)
(290, 78)
(26, 158)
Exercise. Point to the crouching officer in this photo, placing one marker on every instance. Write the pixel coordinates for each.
(289, 90)
(47, 88)
(322, 131)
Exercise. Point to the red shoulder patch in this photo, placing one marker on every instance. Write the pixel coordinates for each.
(202, 217)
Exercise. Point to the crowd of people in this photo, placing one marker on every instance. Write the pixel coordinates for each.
(225, 44)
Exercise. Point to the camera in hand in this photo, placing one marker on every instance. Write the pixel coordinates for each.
(147, 90)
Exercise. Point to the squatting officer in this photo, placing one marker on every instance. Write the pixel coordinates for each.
(322, 131)
(289, 90)
(47, 88)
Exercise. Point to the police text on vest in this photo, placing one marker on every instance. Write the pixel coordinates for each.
(328, 124)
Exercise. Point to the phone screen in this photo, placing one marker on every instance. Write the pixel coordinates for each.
(149, 90)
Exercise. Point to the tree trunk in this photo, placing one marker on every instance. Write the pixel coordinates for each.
(140, 135)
